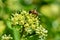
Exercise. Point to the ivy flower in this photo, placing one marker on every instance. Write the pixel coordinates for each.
(30, 23)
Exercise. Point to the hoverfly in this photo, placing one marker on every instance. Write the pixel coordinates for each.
(33, 12)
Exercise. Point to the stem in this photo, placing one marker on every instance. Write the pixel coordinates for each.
(16, 34)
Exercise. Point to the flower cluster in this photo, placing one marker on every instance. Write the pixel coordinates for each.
(30, 22)
(41, 31)
(5, 37)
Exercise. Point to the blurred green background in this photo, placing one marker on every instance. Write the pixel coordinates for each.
(48, 9)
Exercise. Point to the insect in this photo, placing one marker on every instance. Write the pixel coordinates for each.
(33, 12)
